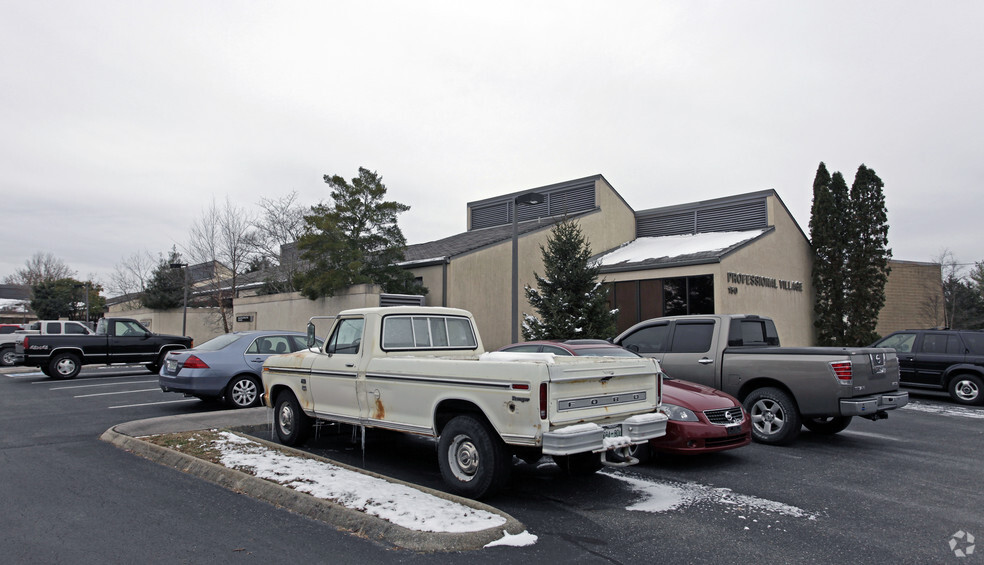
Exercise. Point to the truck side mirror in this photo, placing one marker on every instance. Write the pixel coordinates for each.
(310, 335)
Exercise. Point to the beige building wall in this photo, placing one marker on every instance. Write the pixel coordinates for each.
(913, 297)
(480, 281)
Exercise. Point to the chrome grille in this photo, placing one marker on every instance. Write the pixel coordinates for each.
(725, 416)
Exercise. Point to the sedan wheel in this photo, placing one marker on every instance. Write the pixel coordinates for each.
(243, 392)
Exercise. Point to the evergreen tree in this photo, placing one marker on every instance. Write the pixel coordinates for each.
(54, 299)
(354, 239)
(571, 303)
(867, 260)
(828, 224)
(165, 289)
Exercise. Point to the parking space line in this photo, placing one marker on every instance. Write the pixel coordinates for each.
(118, 392)
(155, 403)
(23, 375)
(101, 384)
(87, 379)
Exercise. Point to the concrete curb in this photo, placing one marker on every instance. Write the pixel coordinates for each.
(372, 527)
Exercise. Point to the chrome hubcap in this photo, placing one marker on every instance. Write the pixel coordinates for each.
(967, 390)
(463, 458)
(767, 416)
(285, 420)
(244, 392)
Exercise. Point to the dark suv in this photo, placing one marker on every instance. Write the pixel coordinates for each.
(950, 360)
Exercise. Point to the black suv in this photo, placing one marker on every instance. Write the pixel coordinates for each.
(950, 360)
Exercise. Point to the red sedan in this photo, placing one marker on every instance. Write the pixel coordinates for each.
(702, 419)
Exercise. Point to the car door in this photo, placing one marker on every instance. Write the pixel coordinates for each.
(335, 373)
(934, 354)
(691, 354)
(262, 348)
(904, 344)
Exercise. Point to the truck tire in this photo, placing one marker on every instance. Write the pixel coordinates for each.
(579, 464)
(155, 367)
(290, 423)
(967, 389)
(473, 459)
(7, 357)
(64, 366)
(775, 417)
(828, 426)
(243, 391)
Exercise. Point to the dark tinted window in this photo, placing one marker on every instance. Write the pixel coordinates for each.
(534, 348)
(941, 343)
(52, 328)
(974, 341)
(76, 329)
(8, 329)
(556, 350)
(651, 339)
(692, 338)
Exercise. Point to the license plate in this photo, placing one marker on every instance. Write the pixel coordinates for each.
(613, 431)
(734, 430)
(172, 365)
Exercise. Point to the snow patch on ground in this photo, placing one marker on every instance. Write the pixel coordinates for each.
(658, 496)
(519, 540)
(944, 410)
(397, 503)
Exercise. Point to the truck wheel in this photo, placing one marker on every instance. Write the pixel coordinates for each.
(966, 389)
(243, 392)
(64, 366)
(289, 421)
(155, 367)
(775, 418)
(7, 357)
(828, 426)
(579, 464)
(473, 459)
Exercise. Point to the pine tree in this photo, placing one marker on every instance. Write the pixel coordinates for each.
(828, 224)
(571, 303)
(354, 239)
(165, 289)
(867, 262)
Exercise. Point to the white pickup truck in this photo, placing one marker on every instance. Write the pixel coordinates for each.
(423, 370)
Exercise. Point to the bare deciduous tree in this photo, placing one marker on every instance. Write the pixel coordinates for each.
(130, 276)
(280, 223)
(43, 266)
(222, 240)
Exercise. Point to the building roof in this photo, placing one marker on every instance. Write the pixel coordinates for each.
(676, 250)
(442, 249)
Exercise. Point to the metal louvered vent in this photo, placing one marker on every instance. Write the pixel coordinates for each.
(401, 300)
(681, 223)
(737, 217)
(567, 199)
(495, 214)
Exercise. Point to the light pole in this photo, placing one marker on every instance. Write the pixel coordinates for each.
(184, 315)
(531, 198)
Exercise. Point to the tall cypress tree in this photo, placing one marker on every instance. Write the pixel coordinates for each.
(571, 302)
(867, 262)
(828, 224)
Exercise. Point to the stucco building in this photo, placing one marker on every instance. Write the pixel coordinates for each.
(738, 254)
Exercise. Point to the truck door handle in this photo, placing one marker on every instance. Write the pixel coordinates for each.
(350, 365)
(705, 361)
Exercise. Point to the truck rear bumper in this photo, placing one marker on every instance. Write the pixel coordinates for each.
(867, 405)
(581, 438)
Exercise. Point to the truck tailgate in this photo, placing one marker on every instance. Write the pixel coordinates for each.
(600, 390)
(874, 370)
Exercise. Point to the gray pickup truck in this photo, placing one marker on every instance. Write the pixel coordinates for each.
(782, 388)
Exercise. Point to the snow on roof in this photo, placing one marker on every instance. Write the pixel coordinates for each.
(651, 248)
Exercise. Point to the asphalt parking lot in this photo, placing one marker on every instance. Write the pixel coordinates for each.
(895, 491)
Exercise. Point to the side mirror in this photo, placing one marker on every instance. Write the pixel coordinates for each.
(633, 348)
(310, 335)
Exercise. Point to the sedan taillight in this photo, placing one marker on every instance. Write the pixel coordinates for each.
(194, 362)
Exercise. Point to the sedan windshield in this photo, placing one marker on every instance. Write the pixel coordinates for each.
(218, 343)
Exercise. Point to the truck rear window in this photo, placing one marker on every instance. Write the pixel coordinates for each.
(427, 332)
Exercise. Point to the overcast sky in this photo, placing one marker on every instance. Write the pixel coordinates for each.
(119, 121)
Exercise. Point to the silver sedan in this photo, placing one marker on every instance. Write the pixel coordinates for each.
(229, 366)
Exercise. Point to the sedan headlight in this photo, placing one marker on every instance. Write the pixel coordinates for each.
(678, 413)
